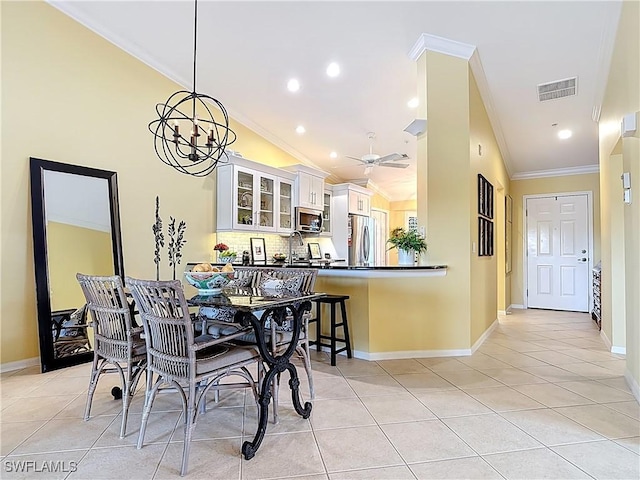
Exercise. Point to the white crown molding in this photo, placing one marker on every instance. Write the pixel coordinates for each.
(440, 45)
(68, 9)
(487, 99)
(605, 54)
(470, 53)
(366, 183)
(556, 172)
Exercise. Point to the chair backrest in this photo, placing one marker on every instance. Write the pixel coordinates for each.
(309, 275)
(111, 314)
(167, 326)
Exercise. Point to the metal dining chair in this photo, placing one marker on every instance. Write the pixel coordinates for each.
(118, 347)
(179, 360)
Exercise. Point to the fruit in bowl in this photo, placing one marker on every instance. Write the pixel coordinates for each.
(209, 280)
(279, 257)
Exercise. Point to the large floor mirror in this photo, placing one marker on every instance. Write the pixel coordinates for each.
(76, 228)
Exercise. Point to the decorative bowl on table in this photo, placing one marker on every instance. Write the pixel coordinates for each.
(279, 257)
(209, 283)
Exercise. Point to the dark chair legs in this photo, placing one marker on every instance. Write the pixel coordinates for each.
(332, 300)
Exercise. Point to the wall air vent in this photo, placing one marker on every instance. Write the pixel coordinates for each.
(558, 89)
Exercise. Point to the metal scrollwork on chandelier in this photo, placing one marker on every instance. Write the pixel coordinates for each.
(198, 152)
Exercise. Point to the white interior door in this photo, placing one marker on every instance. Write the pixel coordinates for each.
(558, 247)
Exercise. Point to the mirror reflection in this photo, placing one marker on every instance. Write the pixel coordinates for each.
(78, 225)
(76, 228)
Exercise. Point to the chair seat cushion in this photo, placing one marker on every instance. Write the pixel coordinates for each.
(223, 355)
(139, 346)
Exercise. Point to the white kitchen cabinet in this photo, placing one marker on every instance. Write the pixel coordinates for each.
(309, 186)
(358, 198)
(310, 191)
(326, 213)
(359, 203)
(253, 199)
(285, 206)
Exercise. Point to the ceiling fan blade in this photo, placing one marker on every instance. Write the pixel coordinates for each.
(394, 165)
(354, 158)
(393, 157)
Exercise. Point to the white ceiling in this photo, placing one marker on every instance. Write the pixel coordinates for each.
(247, 51)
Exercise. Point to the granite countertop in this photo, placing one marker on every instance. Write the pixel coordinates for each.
(338, 266)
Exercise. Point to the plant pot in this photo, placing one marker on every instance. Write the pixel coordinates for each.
(229, 259)
(406, 257)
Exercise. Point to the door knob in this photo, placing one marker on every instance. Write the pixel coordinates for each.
(582, 259)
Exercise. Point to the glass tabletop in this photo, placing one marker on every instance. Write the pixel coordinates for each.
(251, 299)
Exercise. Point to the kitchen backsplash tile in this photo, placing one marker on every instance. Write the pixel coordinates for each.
(274, 243)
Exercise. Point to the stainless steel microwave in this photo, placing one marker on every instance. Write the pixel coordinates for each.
(308, 220)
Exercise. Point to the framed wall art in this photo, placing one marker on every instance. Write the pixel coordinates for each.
(258, 251)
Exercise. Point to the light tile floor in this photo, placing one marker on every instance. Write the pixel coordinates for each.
(541, 398)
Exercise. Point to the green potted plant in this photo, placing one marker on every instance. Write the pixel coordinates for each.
(407, 242)
(224, 254)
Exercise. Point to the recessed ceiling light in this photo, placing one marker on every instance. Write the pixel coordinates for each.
(293, 85)
(333, 155)
(300, 129)
(564, 134)
(413, 103)
(333, 70)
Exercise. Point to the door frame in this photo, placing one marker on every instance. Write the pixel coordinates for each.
(386, 212)
(525, 250)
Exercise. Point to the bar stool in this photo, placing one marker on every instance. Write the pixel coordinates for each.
(332, 300)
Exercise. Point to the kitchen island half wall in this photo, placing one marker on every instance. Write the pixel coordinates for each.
(402, 312)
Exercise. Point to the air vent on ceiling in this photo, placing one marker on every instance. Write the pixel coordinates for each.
(558, 89)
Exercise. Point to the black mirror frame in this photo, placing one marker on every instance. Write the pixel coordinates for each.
(40, 254)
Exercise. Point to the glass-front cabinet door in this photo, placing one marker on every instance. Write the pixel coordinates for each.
(244, 218)
(326, 214)
(285, 206)
(266, 209)
(255, 200)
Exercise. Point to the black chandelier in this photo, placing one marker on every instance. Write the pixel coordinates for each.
(191, 154)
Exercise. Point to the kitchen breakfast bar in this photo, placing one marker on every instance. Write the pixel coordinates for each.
(398, 311)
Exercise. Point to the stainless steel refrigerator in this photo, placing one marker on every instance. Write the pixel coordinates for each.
(361, 240)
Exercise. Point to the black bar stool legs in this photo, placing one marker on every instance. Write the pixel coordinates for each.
(332, 300)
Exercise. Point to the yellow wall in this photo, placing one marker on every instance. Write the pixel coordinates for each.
(488, 286)
(90, 253)
(622, 97)
(425, 324)
(568, 183)
(69, 95)
(448, 197)
(397, 218)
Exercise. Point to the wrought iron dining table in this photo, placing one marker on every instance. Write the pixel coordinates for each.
(279, 305)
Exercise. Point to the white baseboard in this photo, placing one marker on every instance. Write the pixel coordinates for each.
(20, 364)
(612, 348)
(619, 350)
(516, 306)
(411, 354)
(633, 385)
(484, 336)
(605, 339)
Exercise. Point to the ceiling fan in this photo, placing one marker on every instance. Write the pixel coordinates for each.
(371, 159)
